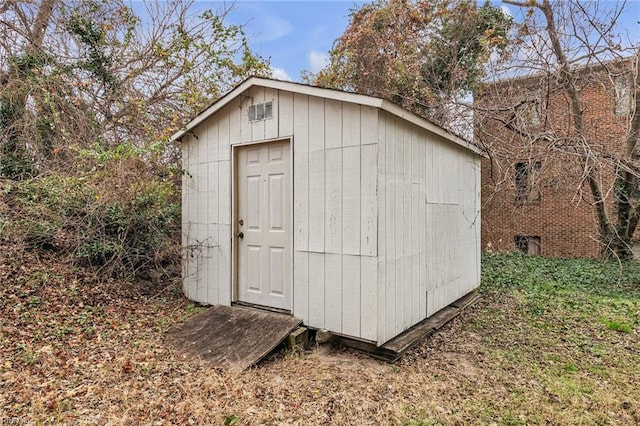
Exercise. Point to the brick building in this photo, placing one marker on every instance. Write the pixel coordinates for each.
(536, 197)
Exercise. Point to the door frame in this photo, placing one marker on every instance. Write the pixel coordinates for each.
(234, 218)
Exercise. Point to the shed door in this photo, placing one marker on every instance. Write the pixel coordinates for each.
(264, 224)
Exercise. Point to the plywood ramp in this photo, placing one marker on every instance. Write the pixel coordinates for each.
(232, 338)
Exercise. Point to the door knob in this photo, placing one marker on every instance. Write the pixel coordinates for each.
(240, 235)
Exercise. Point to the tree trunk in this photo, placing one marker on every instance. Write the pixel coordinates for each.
(616, 239)
(627, 183)
(15, 159)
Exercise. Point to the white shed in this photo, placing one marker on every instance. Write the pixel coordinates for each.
(343, 210)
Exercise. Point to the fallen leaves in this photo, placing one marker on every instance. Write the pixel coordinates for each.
(483, 368)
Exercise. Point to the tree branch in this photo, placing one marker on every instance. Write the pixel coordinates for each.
(522, 3)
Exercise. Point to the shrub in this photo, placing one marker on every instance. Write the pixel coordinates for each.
(119, 214)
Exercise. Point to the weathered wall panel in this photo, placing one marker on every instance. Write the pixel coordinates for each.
(351, 295)
(351, 199)
(341, 211)
(368, 200)
(316, 290)
(385, 215)
(333, 292)
(427, 246)
(315, 122)
(286, 112)
(369, 298)
(333, 200)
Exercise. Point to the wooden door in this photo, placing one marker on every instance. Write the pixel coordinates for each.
(263, 228)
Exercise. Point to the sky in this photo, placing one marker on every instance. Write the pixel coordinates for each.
(297, 35)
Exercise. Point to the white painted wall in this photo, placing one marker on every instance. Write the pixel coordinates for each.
(386, 229)
(428, 218)
(335, 214)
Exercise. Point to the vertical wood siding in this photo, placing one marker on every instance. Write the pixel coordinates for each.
(336, 206)
(294, 110)
(386, 222)
(428, 220)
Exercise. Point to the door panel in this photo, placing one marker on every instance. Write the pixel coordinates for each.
(264, 221)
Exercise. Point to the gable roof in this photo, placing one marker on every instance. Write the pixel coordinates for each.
(321, 92)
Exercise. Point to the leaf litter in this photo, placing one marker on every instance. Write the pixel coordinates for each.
(87, 353)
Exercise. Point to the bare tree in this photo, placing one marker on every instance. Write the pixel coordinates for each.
(90, 92)
(76, 74)
(567, 58)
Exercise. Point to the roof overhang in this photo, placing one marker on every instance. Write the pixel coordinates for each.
(321, 92)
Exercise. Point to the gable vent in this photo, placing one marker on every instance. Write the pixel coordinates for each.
(261, 111)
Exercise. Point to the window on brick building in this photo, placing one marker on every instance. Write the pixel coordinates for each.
(528, 244)
(622, 94)
(528, 113)
(525, 182)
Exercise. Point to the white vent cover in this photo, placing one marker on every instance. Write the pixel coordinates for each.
(261, 111)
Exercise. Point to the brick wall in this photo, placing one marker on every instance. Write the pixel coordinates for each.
(563, 217)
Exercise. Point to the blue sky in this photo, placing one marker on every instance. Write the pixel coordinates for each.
(297, 35)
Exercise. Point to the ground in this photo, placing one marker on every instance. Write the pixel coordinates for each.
(532, 351)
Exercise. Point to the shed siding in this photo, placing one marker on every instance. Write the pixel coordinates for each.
(294, 110)
(428, 202)
(334, 207)
(452, 247)
(386, 223)
(382, 210)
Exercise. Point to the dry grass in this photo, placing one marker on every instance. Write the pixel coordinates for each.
(74, 353)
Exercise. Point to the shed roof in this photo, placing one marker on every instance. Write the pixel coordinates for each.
(321, 92)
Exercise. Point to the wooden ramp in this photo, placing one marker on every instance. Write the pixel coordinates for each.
(232, 338)
(396, 347)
